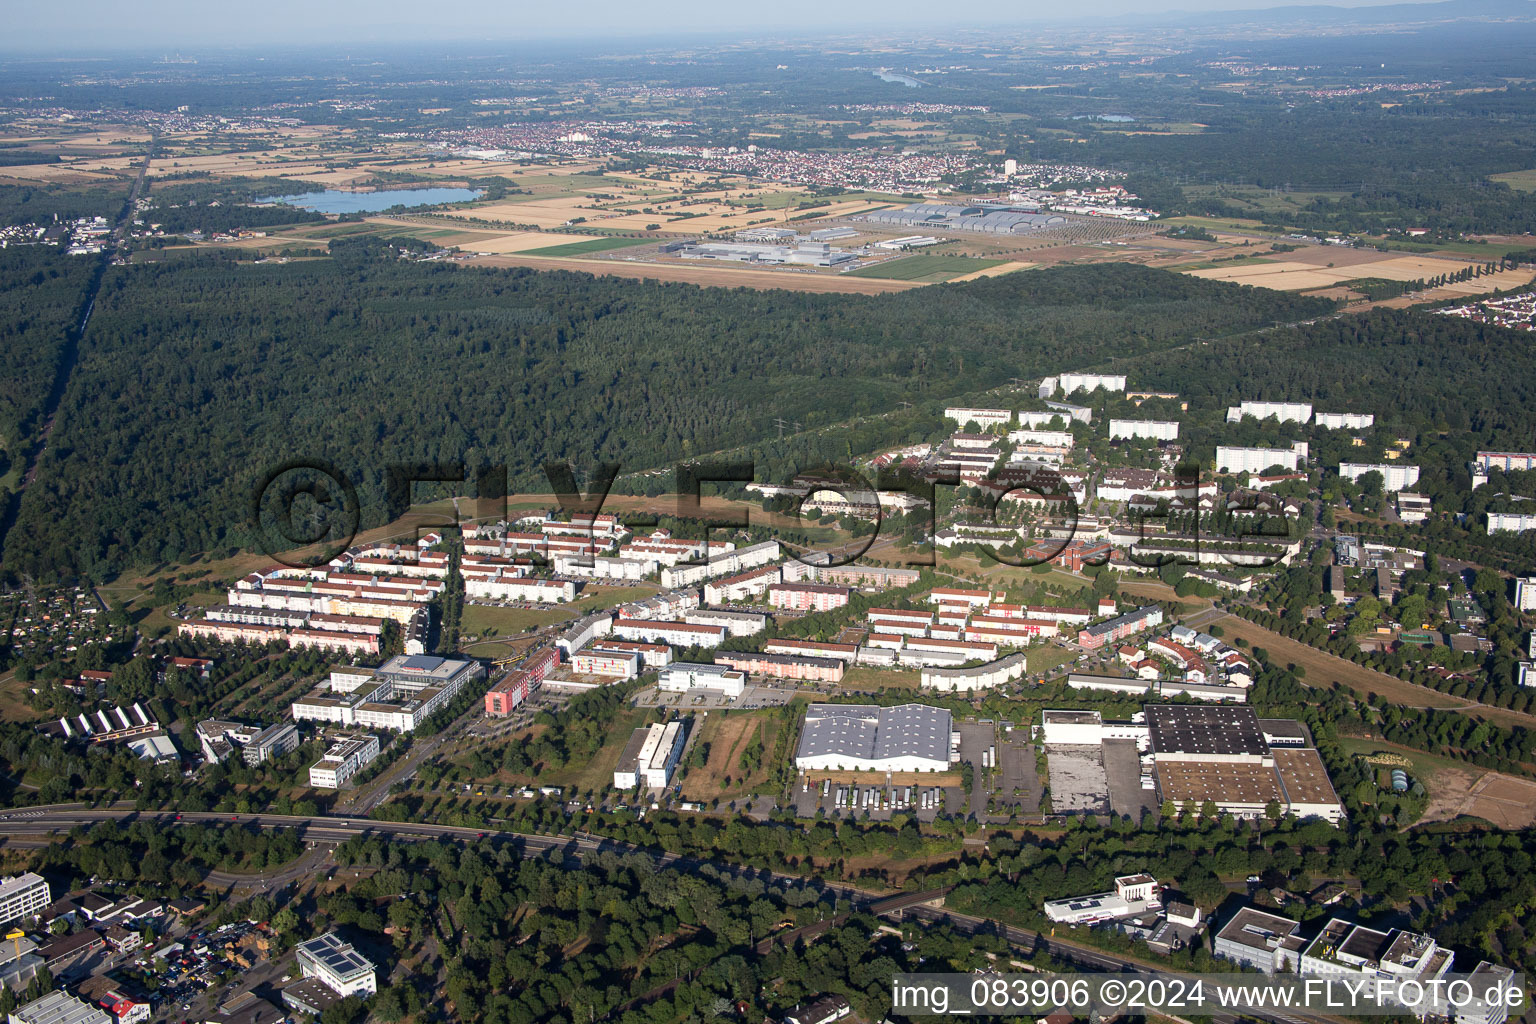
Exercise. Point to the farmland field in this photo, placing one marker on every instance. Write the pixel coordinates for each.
(925, 268)
(1523, 181)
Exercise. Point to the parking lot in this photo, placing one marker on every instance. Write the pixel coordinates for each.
(753, 696)
(1017, 780)
(1122, 768)
(977, 739)
(876, 798)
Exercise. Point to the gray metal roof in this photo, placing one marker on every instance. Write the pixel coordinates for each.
(867, 732)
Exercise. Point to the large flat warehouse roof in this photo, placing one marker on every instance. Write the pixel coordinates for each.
(1205, 730)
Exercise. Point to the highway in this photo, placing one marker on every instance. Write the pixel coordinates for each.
(27, 826)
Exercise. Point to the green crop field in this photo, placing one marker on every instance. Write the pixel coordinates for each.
(590, 245)
(928, 268)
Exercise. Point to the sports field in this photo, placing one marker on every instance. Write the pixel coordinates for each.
(926, 268)
(589, 245)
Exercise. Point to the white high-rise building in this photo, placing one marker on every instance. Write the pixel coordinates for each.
(1344, 420)
(1525, 593)
(1254, 460)
(1071, 382)
(1299, 412)
(1160, 430)
(1395, 476)
(1511, 522)
(983, 418)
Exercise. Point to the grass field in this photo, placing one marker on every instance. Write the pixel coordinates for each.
(589, 245)
(1043, 659)
(925, 268)
(1523, 181)
(478, 618)
(880, 679)
(728, 736)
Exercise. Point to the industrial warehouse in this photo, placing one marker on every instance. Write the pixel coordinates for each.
(1193, 755)
(806, 254)
(866, 738)
(989, 220)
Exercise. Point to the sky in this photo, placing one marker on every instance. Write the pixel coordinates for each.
(174, 25)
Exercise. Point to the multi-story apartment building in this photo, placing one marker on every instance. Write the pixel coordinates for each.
(1157, 430)
(1254, 460)
(1395, 476)
(807, 597)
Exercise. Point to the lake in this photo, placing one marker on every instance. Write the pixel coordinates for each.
(910, 83)
(336, 201)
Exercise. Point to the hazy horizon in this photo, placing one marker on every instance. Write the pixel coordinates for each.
(180, 24)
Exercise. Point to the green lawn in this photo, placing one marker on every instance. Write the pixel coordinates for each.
(1043, 659)
(511, 621)
(589, 245)
(928, 268)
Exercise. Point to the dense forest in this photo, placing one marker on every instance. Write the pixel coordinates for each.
(511, 939)
(41, 291)
(198, 374)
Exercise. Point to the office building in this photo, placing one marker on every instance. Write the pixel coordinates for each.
(22, 897)
(273, 741)
(650, 756)
(335, 964)
(685, 677)
(1132, 896)
(345, 757)
(1265, 942)
(398, 695)
(59, 1008)
(1485, 978)
(1346, 949)
(514, 687)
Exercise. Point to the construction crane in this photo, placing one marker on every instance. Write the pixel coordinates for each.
(16, 935)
